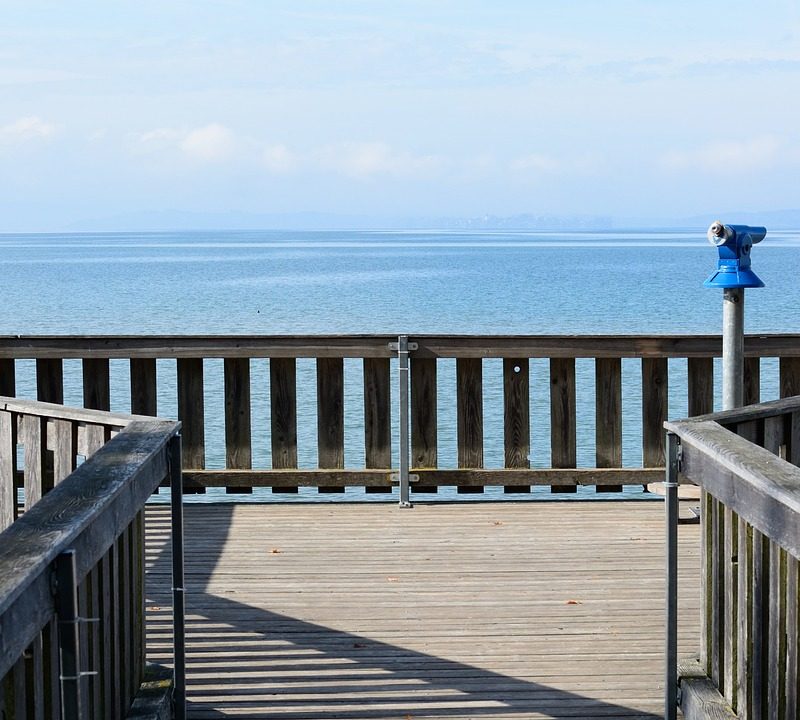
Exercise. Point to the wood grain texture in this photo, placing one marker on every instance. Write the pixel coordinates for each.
(790, 376)
(563, 448)
(752, 380)
(330, 415)
(8, 493)
(700, 385)
(469, 412)
(424, 428)
(8, 383)
(238, 442)
(608, 416)
(377, 416)
(283, 415)
(101, 496)
(144, 395)
(50, 380)
(32, 437)
(96, 383)
(65, 449)
(516, 412)
(191, 413)
(751, 480)
(509, 610)
(377, 413)
(654, 410)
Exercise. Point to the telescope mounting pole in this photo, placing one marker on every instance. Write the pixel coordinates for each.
(732, 348)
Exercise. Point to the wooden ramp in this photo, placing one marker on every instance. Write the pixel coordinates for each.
(503, 610)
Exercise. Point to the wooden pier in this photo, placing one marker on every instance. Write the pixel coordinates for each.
(465, 610)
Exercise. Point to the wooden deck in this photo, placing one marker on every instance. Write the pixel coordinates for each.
(506, 610)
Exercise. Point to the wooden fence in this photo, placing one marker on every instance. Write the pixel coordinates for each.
(72, 557)
(745, 461)
(376, 354)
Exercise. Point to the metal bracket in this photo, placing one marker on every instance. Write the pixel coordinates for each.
(412, 478)
(395, 347)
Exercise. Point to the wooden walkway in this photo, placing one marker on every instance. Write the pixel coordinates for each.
(489, 611)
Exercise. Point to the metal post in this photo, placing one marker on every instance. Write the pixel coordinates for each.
(671, 619)
(178, 590)
(66, 602)
(405, 455)
(732, 348)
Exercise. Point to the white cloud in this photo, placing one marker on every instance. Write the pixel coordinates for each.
(26, 129)
(279, 159)
(727, 157)
(212, 143)
(541, 163)
(368, 159)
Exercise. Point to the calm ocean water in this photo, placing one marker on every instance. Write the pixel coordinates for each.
(278, 282)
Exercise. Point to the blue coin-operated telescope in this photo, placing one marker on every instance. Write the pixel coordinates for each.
(733, 275)
(734, 243)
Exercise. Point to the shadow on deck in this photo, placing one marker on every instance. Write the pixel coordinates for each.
(547, 610)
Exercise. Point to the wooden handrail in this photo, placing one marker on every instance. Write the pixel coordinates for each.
(746, 462)
(564, 384)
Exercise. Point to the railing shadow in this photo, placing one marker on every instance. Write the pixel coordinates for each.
(245, 657)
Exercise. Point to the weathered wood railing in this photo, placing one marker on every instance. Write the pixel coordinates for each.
(244, 378)
(745, 461)
(72, 633)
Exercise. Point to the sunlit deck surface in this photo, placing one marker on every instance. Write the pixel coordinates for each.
(471, 610)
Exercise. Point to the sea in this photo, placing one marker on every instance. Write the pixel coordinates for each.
(341, 282)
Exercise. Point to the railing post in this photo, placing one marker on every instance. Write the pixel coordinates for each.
(405, 452)
(178, 590)
(66, 602)
(671, 618)
(403, 347)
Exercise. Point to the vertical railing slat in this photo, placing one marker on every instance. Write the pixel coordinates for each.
(776, 633)
(730, 585)
(8, 383)
(469, 409)
(283, 416)
(700, 386)
(752, 380)
(377, 417)
(144, 394)
(32, 438)
(96, 384)
(8, 493)
(424, 423)
(64, 449)
(191, 413)
(95, 694)
(608, 417)
(744, 596)
(792, 682)
(50, 380)
(654, 410)
(107, 633)
(516, 417)
(789, 376)
(238, 444)
(759, 610)
(563, 449)
(330, 416)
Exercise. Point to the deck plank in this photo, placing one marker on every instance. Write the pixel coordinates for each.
(466, 610)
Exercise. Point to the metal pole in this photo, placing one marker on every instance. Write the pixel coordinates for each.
(178, 590)
(402, 355)
(671, 618)
(66, 602)
(732, 348)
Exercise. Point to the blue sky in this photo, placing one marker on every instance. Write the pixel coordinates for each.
(388, 109)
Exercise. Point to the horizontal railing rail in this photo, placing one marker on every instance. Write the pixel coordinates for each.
(746, 462)
(72, 565)
(485, 386)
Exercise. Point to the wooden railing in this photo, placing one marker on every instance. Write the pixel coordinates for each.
(72, 633)
(746, 462)
(244, 380)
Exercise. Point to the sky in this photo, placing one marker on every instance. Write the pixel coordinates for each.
(386, 109)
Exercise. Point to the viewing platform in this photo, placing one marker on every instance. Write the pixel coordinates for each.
(332, 609)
